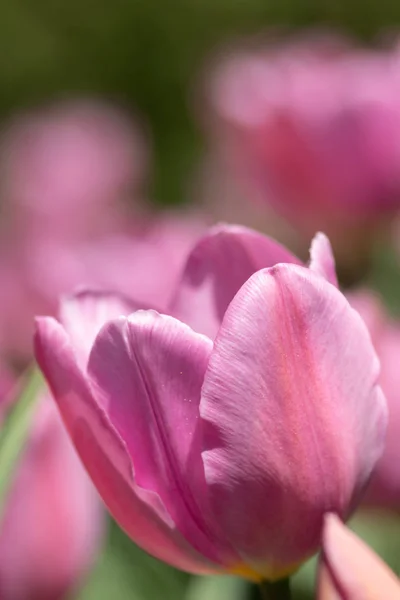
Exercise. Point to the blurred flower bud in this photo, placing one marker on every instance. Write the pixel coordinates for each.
(67, 169)
(144, 261)
(312, 128)
(53, 520)
(384, 488)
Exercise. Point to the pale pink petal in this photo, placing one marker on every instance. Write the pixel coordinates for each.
(217, 267)
(322, 260)
(147, 371)
(293, 418)
(368, 304)
(139, 511)
(327, 589)
(84, 313)
(355, 571)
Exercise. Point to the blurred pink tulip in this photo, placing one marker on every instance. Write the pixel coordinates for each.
(384, 489)
(143, 262)
(66, 170)
(223, 455)
(53, 521)
(313, 128)
(350, 570)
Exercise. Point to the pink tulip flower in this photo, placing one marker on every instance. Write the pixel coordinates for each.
(67, 168)
(350, 570)
(384, 489)
(53, 521)
(313, 128)
(223, 455)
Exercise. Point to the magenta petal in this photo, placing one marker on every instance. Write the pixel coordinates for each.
(322, 260)
(293, 417)
(139, 511)
(217, 267)
(84, 313)
(148, 371)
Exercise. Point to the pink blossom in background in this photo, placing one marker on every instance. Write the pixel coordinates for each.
(350, 570)
(67, 169)
(67, 172)
(384, 489)
(53, 522)
(220, 195)
(7, 383)
(143, 261)
(311, 127)
(246, 425)
(17, 301)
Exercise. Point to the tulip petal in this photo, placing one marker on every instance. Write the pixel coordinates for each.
(354, 569)
(217, 267)
(139, 511)
(293, 419)
(148, 370)
(84, 313)
(322, 260)
(327, 589)
(368, 304)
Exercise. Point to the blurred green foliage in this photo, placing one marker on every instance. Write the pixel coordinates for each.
(384, 276)
(15, 429)
(123, 571)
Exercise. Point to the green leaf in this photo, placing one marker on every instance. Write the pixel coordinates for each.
(15, 429)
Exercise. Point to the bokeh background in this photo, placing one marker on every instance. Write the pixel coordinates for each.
(149, 58)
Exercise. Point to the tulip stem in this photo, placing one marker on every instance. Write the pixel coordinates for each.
(275, 590)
